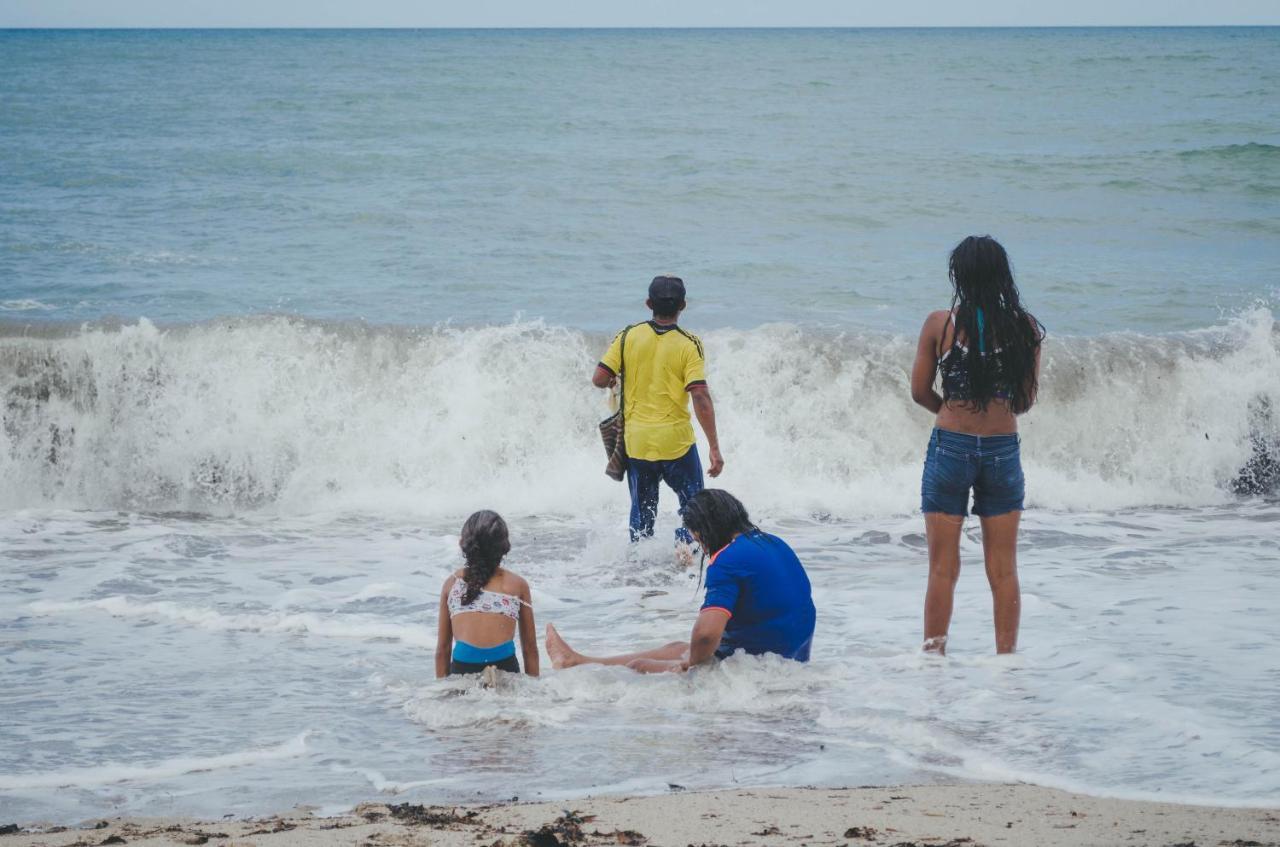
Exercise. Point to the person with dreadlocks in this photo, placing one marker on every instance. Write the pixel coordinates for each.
(483, 606)
(986, 349)
(758, 596)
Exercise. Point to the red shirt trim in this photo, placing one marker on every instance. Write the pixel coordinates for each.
(712, 560)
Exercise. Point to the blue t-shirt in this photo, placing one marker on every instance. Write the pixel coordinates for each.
(759, 582)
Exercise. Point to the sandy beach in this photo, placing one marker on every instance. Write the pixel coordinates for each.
(902, 816)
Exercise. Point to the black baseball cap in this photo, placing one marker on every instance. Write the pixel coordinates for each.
(667, 289)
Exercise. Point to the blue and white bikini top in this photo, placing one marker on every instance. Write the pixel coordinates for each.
(492, 602)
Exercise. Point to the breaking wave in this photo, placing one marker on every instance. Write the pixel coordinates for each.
(296, 415)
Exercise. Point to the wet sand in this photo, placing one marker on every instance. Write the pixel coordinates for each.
(936, 816)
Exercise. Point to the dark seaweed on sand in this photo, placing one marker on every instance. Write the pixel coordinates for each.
(865, 832)
(416, 813)
(563, 831)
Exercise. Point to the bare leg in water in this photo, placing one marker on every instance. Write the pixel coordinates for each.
(657, 660)
(1000, 549)
(943, 532)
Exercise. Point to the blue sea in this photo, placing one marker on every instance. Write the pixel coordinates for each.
(278, 309)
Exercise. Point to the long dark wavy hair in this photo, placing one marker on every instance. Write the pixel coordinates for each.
(982, 279)
(484, 542)
(715, 516)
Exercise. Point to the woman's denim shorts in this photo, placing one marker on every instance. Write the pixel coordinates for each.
(990, 465)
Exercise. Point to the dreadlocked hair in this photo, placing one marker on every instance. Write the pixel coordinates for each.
(981, 279)
(484, 542)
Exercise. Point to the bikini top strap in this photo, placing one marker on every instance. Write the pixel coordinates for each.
(955, 336)
(460, 586)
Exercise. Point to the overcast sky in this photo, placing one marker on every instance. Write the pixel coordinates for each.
(627, 13)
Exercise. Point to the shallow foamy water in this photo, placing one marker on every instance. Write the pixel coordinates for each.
(184, 664)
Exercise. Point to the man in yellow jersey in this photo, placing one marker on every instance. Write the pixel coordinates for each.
(662, 367)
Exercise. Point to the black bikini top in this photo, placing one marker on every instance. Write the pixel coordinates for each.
(953, 365)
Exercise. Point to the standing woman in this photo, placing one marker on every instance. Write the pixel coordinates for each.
(986, 350)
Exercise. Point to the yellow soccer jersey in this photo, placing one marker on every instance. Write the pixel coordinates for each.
(658, 367)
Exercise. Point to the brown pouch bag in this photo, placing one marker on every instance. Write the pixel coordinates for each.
(611, 428)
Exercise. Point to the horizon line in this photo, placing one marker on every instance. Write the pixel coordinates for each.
(518, 28)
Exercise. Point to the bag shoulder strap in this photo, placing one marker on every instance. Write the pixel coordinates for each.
(622, 372)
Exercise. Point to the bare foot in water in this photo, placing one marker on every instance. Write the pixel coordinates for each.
(562, 655)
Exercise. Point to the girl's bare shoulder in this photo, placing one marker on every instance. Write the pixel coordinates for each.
(513, 583)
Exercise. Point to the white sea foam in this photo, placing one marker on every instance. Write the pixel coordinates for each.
(387, 786)
(297, 417)
(755, 685)
(301, 623)
(112, 773)
(26, 304)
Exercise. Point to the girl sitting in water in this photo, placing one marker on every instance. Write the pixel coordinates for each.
(482, 606)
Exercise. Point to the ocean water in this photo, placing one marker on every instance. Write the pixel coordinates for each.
(805, 176)
(279, 309)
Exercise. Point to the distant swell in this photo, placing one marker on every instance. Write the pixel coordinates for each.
(296, 416)
(1250, 151)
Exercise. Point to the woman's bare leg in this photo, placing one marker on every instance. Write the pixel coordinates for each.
(943, 532)
(564, 656)
(1000, 549)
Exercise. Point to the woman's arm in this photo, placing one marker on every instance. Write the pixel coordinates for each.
(708, 629)
(925, 367)
(444, 634)
(1035, 372)
(528, 633)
